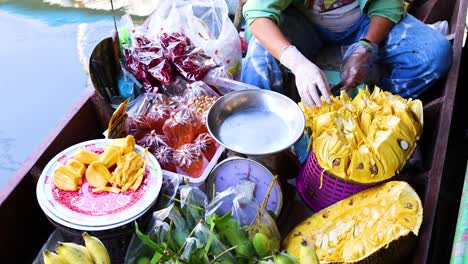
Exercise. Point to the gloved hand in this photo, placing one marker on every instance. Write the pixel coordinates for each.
(358, 62)
(309, 78)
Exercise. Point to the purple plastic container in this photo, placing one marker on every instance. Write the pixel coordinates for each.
(332, 191)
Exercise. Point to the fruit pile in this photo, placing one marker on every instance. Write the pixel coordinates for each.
(127, 165)
(93, 252)
(378, 225)
(366, 139)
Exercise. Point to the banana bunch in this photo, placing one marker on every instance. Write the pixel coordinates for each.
(366, 139)
(93, 252)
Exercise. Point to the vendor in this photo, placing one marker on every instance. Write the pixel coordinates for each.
(376, 32)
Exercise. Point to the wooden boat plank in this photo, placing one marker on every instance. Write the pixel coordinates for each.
(443, 129)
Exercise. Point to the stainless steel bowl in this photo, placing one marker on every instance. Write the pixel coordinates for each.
(255, 122)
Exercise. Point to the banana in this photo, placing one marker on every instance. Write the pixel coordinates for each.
(96, 249)
(307, 254)
(284, 258)
(74, 253)
(52, 258)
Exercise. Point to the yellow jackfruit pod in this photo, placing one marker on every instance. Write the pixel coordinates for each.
(76, 166)
(410, 120)
(85, 156)
(323, 122)
(339, 166)
(110, 155)
(126, 144)
(66, 179)
(388, 151)
(416, 108)
(97, 174)
(403, 132)
(365, 167)
(331, 152)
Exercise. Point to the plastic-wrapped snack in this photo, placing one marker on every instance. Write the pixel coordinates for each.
(164, 155)
(157, 67)
(191, 62)
(178, 130)
(157, 115)
(152, 141)
(206, 144)
(189, 160)
(137, 126)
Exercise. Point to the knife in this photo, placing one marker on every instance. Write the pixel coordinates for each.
(336, 90)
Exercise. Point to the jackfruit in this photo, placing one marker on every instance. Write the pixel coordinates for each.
(66, 179)
(97, 174)
(378, 225)
(367, 139)
(126, 144)
(85, 156)
(110, 155)
(76, 166)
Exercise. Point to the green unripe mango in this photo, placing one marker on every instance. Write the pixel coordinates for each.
(283, 258)
(143, 260)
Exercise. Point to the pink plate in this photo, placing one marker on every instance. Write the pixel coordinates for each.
(85, 208)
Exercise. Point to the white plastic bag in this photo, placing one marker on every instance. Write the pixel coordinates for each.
(206, 23)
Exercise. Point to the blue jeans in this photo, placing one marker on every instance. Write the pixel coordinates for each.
(414, 56)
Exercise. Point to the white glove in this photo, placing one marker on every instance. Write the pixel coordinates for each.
(309, 78)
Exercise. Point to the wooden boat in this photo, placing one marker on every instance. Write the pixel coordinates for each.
(25, 228)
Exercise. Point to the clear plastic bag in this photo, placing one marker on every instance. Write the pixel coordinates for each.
(206, 24)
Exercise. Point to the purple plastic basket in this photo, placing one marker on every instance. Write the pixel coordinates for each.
(332, 191)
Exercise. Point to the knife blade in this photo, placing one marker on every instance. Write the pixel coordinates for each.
(336, 90)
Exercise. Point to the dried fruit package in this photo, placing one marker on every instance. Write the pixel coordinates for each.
(190, 61)
(206, 24)
(152, 141)
(206, 144)
(165, 157)
(189, 160)
(157, 115)
(145, 59)
(178, 130)
(137, 126)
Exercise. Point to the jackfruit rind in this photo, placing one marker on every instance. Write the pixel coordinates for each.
(362, 227)
(387, 124)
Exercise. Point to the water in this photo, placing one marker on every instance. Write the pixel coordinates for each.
(260, 130)
(44, 54)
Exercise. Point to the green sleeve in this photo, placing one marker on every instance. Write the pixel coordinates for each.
(264, 8)
(394, 10)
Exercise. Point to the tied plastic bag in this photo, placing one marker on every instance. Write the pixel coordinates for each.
(144, 56)
(255, 229)
(205, 24)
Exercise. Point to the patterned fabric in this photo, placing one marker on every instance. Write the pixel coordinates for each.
(328, 5)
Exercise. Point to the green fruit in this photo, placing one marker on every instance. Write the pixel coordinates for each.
(262, 244)
(284, 258)
(143, 260)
